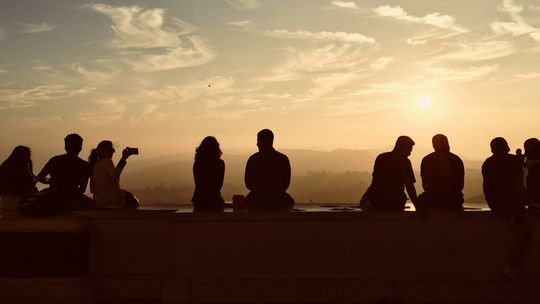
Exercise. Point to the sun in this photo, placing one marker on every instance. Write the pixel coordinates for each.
(424, 102)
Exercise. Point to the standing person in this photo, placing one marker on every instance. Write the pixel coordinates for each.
(105, 178)
(442, 175)
(208, 175)
(506, 196)
(531, 169)
(392, 173)
(68, 180)
(17, 179)
(268, 175)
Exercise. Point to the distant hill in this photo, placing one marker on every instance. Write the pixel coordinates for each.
(337, 176)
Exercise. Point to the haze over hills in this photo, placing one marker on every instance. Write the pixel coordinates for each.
(337, 176)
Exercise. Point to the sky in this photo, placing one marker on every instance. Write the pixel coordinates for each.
(162, 74)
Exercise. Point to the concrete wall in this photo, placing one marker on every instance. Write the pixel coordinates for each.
(318, 256)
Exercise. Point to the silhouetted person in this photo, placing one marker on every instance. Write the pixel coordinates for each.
(208, 174)
(392, 173)
(268, 175)
(68, 179)
(531, 169)
(442, 177)
(17, 179)
(506, 196)
(105, 178)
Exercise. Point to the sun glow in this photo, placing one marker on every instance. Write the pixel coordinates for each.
(424, 102)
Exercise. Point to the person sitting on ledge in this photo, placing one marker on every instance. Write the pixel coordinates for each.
(531, 169)
(68, 180)
(442, 177)
(208, 174)
(392, 171)
(105, 178)
(17, 179)
(506, 196)
(267, 176)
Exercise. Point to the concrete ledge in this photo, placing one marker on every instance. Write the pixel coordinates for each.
(45, 291)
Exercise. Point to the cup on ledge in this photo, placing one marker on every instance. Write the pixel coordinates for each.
(238, 202)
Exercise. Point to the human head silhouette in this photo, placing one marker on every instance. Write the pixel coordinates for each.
(499, 146)
(404, 145)
(209, 148)
(532, 148)
(440, 143)
(265, 139)
(105, 149)
(73, 143)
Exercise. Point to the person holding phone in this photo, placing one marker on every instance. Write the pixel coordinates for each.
(105, 178)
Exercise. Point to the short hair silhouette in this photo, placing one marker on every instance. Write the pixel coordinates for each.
(265, 136)
(499, 145)
(440, 143)
(404, 141)
(73, 142)
(532, 146)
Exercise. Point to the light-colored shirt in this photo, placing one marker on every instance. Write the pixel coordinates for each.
(105, 185)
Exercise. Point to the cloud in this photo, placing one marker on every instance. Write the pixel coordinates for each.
(93, 75)
(344, 4)
(329, 59)
(434, 19)
(31, 28)
(528, 76)
(104, 111)
(381, 63)
(146, 111)
(477, 51)
(29, 97)
(415, 41)
(205, 88)
(322, 36)
(325, 84)
(244, 4)
(433, 76)
(150, 42)
(518, 26)
(37, 121)
(241, 23)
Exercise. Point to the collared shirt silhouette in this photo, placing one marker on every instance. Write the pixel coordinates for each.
(208, 175)
(442, 175)
(392, 173)
(268, 175)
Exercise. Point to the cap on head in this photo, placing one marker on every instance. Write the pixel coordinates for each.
(499, 145)
(440, 143)
(265, 136)
(73, 143)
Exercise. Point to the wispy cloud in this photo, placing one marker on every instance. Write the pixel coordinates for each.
(151, 42)
(38, 121)
(93, 75)
(29, 97)
(244, 4)
(209, 87)
(241, 23)
(518, 26)
(433, 76)
(322, 36)
(478, 51)
(324, 60)
(31, 28)
(528, 76)
(381, 63)
(344, 4)
(103, 112)
(439, 20)
(147, 110)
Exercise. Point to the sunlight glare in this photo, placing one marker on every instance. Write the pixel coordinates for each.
(424, 102)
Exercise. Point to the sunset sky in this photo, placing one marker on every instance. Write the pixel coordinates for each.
(161, 75)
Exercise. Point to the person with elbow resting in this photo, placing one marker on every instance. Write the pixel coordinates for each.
(105, 178)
